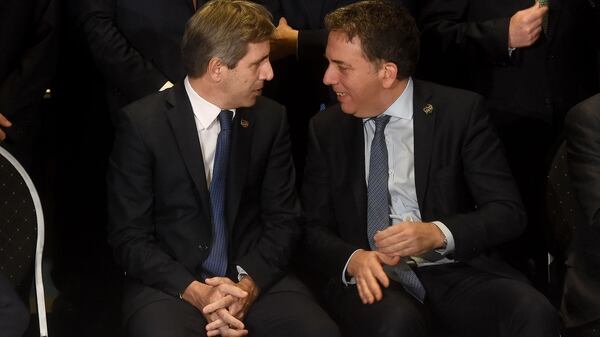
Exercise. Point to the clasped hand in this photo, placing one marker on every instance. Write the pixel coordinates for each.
(409, 238)
(401, 239)
(223, 303)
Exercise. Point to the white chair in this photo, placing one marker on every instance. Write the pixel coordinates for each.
(21, 220)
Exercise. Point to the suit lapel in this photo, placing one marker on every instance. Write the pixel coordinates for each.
(353, 143)
(241, 141)
(181, 118)
(424, 113)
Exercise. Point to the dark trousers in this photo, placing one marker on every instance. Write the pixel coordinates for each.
(287, 309)
(14, 317)
(461, 300)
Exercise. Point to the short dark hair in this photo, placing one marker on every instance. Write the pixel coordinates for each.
(386, 31)
(223, 29)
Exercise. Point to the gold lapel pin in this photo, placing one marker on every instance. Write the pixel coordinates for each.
(244, 123)
(428, 109)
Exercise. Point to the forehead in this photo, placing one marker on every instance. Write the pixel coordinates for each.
(256, 51)
(341, 49)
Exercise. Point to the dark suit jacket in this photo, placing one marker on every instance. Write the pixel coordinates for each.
(581, 299)
(465, 44)
(27, 53)
(158, 200)
(135, 43)
(461, 178)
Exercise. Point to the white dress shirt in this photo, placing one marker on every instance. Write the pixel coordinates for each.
(399, 140)
(207, 124)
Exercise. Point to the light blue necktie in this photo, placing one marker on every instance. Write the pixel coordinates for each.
(378, 211)
(216, 262)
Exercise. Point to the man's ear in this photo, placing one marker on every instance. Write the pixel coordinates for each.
(389, 71)
(215, 69)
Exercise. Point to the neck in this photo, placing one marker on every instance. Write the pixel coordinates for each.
(388, 96)
(208, 90)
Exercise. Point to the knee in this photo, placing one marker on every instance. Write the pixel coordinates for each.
(320, 328)
(536, 305)
(402, 321)
(165, 318)
(315, 324)
(22, 317)
(16, 318)
(533, 311)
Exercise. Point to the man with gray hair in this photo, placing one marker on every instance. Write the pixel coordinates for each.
(203, 214)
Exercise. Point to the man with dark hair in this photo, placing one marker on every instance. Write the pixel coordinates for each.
(297, 51)
(202, 208)
(406, 193)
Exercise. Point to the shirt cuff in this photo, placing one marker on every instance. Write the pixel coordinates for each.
(449, 239)
(510, 51)
(241, 273)
(352, 280)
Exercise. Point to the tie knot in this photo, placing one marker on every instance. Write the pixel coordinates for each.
(381, 122)
(225, 117)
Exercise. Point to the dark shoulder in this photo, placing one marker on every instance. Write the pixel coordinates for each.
(268, 106)
(585, 113)
(333, 115)
(150, 106)
(265, 114)
(446, 93)
(450, 106)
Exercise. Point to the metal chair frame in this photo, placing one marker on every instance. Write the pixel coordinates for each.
(39, 284)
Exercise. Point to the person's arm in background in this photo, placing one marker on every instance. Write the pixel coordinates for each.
(451, 38)
(446, 29)
(28, 54)
(307, 43)
(123, 67)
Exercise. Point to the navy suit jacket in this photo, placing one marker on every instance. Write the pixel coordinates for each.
(158, 200)
(461, 177)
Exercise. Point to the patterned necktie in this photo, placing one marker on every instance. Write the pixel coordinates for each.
(378, 208)
(216, 262)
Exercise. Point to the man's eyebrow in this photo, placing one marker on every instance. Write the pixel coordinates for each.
(262, 59)
(338, 62)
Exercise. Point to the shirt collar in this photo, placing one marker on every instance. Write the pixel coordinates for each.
(206, 113)
(403, 105)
